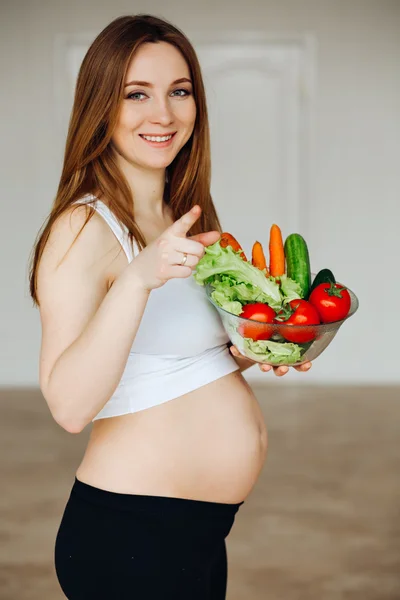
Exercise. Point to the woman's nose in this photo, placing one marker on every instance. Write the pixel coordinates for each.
(162, 113)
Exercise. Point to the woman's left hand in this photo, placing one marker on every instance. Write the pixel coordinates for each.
(278, 371)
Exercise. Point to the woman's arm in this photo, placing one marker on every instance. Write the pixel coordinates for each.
(87, 328)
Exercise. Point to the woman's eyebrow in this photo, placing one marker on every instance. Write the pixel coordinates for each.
(150, 85)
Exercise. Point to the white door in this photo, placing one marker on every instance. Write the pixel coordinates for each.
(258, 117)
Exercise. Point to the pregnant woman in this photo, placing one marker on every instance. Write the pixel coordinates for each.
(130, 342)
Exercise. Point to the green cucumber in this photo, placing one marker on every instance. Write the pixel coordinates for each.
(298, 262)
(323, 276)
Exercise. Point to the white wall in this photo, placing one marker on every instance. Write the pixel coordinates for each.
(352, 215)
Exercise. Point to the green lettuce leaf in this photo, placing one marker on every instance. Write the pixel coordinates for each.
(289, 288)
(273, 352)
(225, 269)
(223, 300)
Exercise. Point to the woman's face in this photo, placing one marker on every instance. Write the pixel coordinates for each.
(158, 110)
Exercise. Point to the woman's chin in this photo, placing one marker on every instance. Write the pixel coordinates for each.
(157, 165)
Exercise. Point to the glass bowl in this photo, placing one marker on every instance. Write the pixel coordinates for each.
(314, 338)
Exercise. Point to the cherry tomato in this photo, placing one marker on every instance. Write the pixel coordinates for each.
(331, 300)
(257, 311)
(299, 312)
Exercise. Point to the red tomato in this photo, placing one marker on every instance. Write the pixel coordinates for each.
(332, 301)
(257, 312)
(301, 313)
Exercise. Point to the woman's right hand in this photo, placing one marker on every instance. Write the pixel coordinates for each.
(160, 260)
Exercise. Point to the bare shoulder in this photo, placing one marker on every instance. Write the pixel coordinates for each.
(83, 240)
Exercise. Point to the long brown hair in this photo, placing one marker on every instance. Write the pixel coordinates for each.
(89, 165)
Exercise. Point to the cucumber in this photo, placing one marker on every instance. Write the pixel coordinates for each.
(323, 276)
(298, 262)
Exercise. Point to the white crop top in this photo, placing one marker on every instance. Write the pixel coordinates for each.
(180, 344)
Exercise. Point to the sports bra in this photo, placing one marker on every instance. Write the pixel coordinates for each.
(180, 344)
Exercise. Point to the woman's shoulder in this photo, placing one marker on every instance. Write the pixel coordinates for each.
(83, 237)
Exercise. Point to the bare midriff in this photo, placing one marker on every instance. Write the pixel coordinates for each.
(209, 444)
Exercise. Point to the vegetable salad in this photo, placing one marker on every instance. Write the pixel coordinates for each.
(279, 292)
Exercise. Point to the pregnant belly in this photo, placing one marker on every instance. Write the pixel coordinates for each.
(209, 444)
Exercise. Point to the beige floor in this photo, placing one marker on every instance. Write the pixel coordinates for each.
(323, 522)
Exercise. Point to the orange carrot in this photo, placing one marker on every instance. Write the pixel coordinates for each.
(258, 257)
(227, 239)
(276, 252)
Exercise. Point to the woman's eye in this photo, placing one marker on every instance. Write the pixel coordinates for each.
(135, 96)
(182, 93)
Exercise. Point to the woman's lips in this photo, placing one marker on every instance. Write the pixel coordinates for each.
(158, 144)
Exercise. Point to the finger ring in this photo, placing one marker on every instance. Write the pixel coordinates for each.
(184, 259)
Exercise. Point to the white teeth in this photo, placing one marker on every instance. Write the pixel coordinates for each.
(153, 138)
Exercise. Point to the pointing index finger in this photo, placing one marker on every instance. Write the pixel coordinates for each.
(182, 225)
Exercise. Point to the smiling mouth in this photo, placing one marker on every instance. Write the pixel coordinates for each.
(157, 138)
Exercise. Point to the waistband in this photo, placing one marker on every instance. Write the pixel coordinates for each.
(161, 505)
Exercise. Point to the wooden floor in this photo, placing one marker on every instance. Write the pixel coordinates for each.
(323, 522)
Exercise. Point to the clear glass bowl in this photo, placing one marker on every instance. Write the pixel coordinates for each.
(323, 334)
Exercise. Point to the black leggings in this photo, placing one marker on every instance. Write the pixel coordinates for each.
(117, 546)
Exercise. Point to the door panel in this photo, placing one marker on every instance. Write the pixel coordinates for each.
(255, 112)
